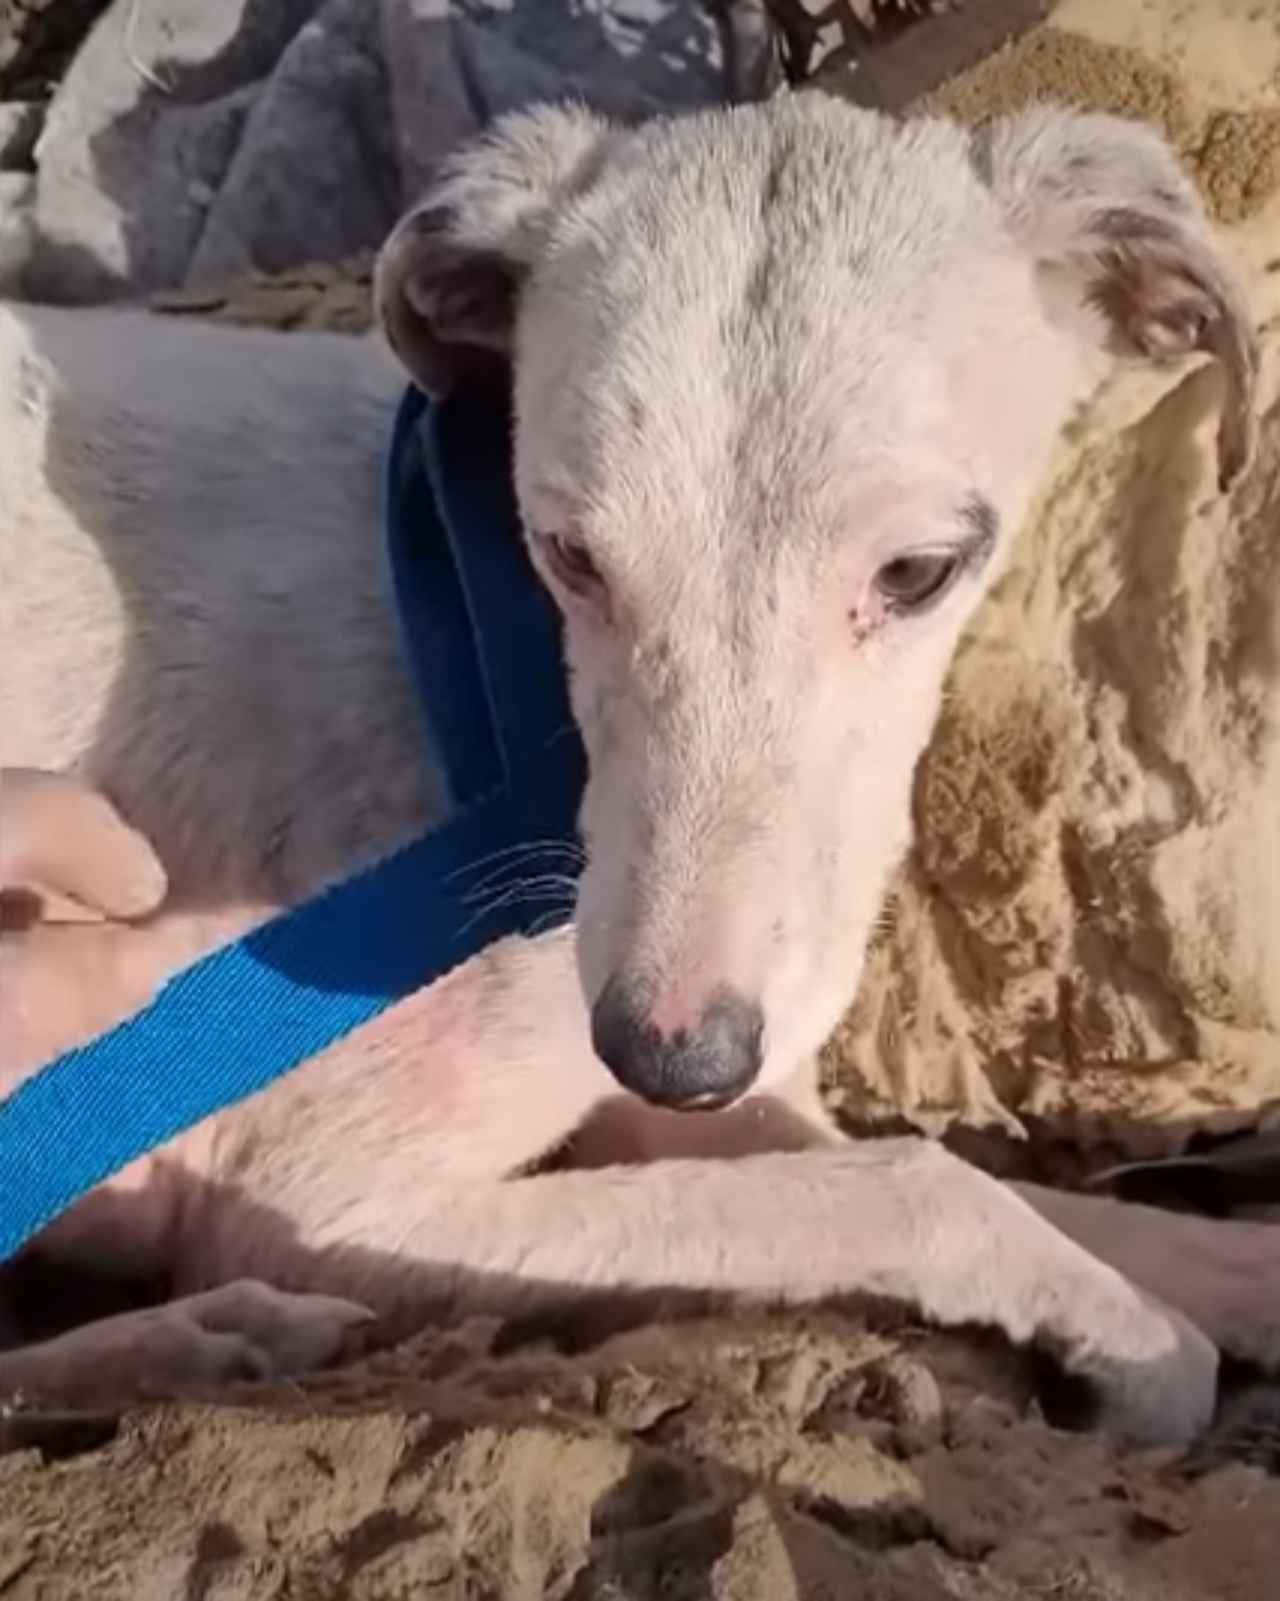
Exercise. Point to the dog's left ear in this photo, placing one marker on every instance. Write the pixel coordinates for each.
(447, 281)
(1115, 225)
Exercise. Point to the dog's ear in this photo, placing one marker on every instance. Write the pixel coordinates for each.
(1115, 225)
(66, 854)
(447, 281)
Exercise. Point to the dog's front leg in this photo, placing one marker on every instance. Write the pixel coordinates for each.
(1223, 1274)
(901, 1220)
(243, 1330)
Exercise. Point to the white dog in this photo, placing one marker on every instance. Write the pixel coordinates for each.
(785, 379)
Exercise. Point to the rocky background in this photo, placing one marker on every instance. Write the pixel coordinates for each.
(159, 144)
(190, 141)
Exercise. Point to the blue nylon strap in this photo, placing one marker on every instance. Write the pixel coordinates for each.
(482, 646)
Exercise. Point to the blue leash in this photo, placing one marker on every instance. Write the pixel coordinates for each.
(482, 646)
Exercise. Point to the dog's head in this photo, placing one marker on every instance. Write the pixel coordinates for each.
(785, 378)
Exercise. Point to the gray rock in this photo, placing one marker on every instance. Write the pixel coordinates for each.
(430, 101)
(17, 233)
(454, 65)
(502, 77)
(20, 124)
(140, 134)
(194, 140)
(17, 192)
(655, 52)
(316, 175)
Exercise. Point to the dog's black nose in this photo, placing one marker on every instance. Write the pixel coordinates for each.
(703, 1067)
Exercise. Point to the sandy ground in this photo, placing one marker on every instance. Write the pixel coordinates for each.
(1086, 933)
(794, 1459)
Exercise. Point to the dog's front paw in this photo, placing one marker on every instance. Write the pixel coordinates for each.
(1155, 1374)
(278, 1334)
(240, 1331)
(244, 1330)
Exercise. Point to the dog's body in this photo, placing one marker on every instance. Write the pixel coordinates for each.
(192, 595)
(785, 378)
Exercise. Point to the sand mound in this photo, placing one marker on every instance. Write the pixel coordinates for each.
(789, 1460)
(1089, 927)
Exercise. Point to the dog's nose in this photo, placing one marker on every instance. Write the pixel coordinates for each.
(704, 1067)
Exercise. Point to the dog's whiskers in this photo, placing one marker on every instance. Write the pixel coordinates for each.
(512, 857)
(535, 887)
(566, 867)
(548, 878)
(557, 892)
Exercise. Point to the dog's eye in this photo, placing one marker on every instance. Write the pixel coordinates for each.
(572, 564)
(912, 582)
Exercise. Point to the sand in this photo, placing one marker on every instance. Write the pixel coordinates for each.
(1086, 938)
(1088, 930)
(795, 1459)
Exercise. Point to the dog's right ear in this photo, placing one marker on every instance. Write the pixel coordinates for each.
(447, 281)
